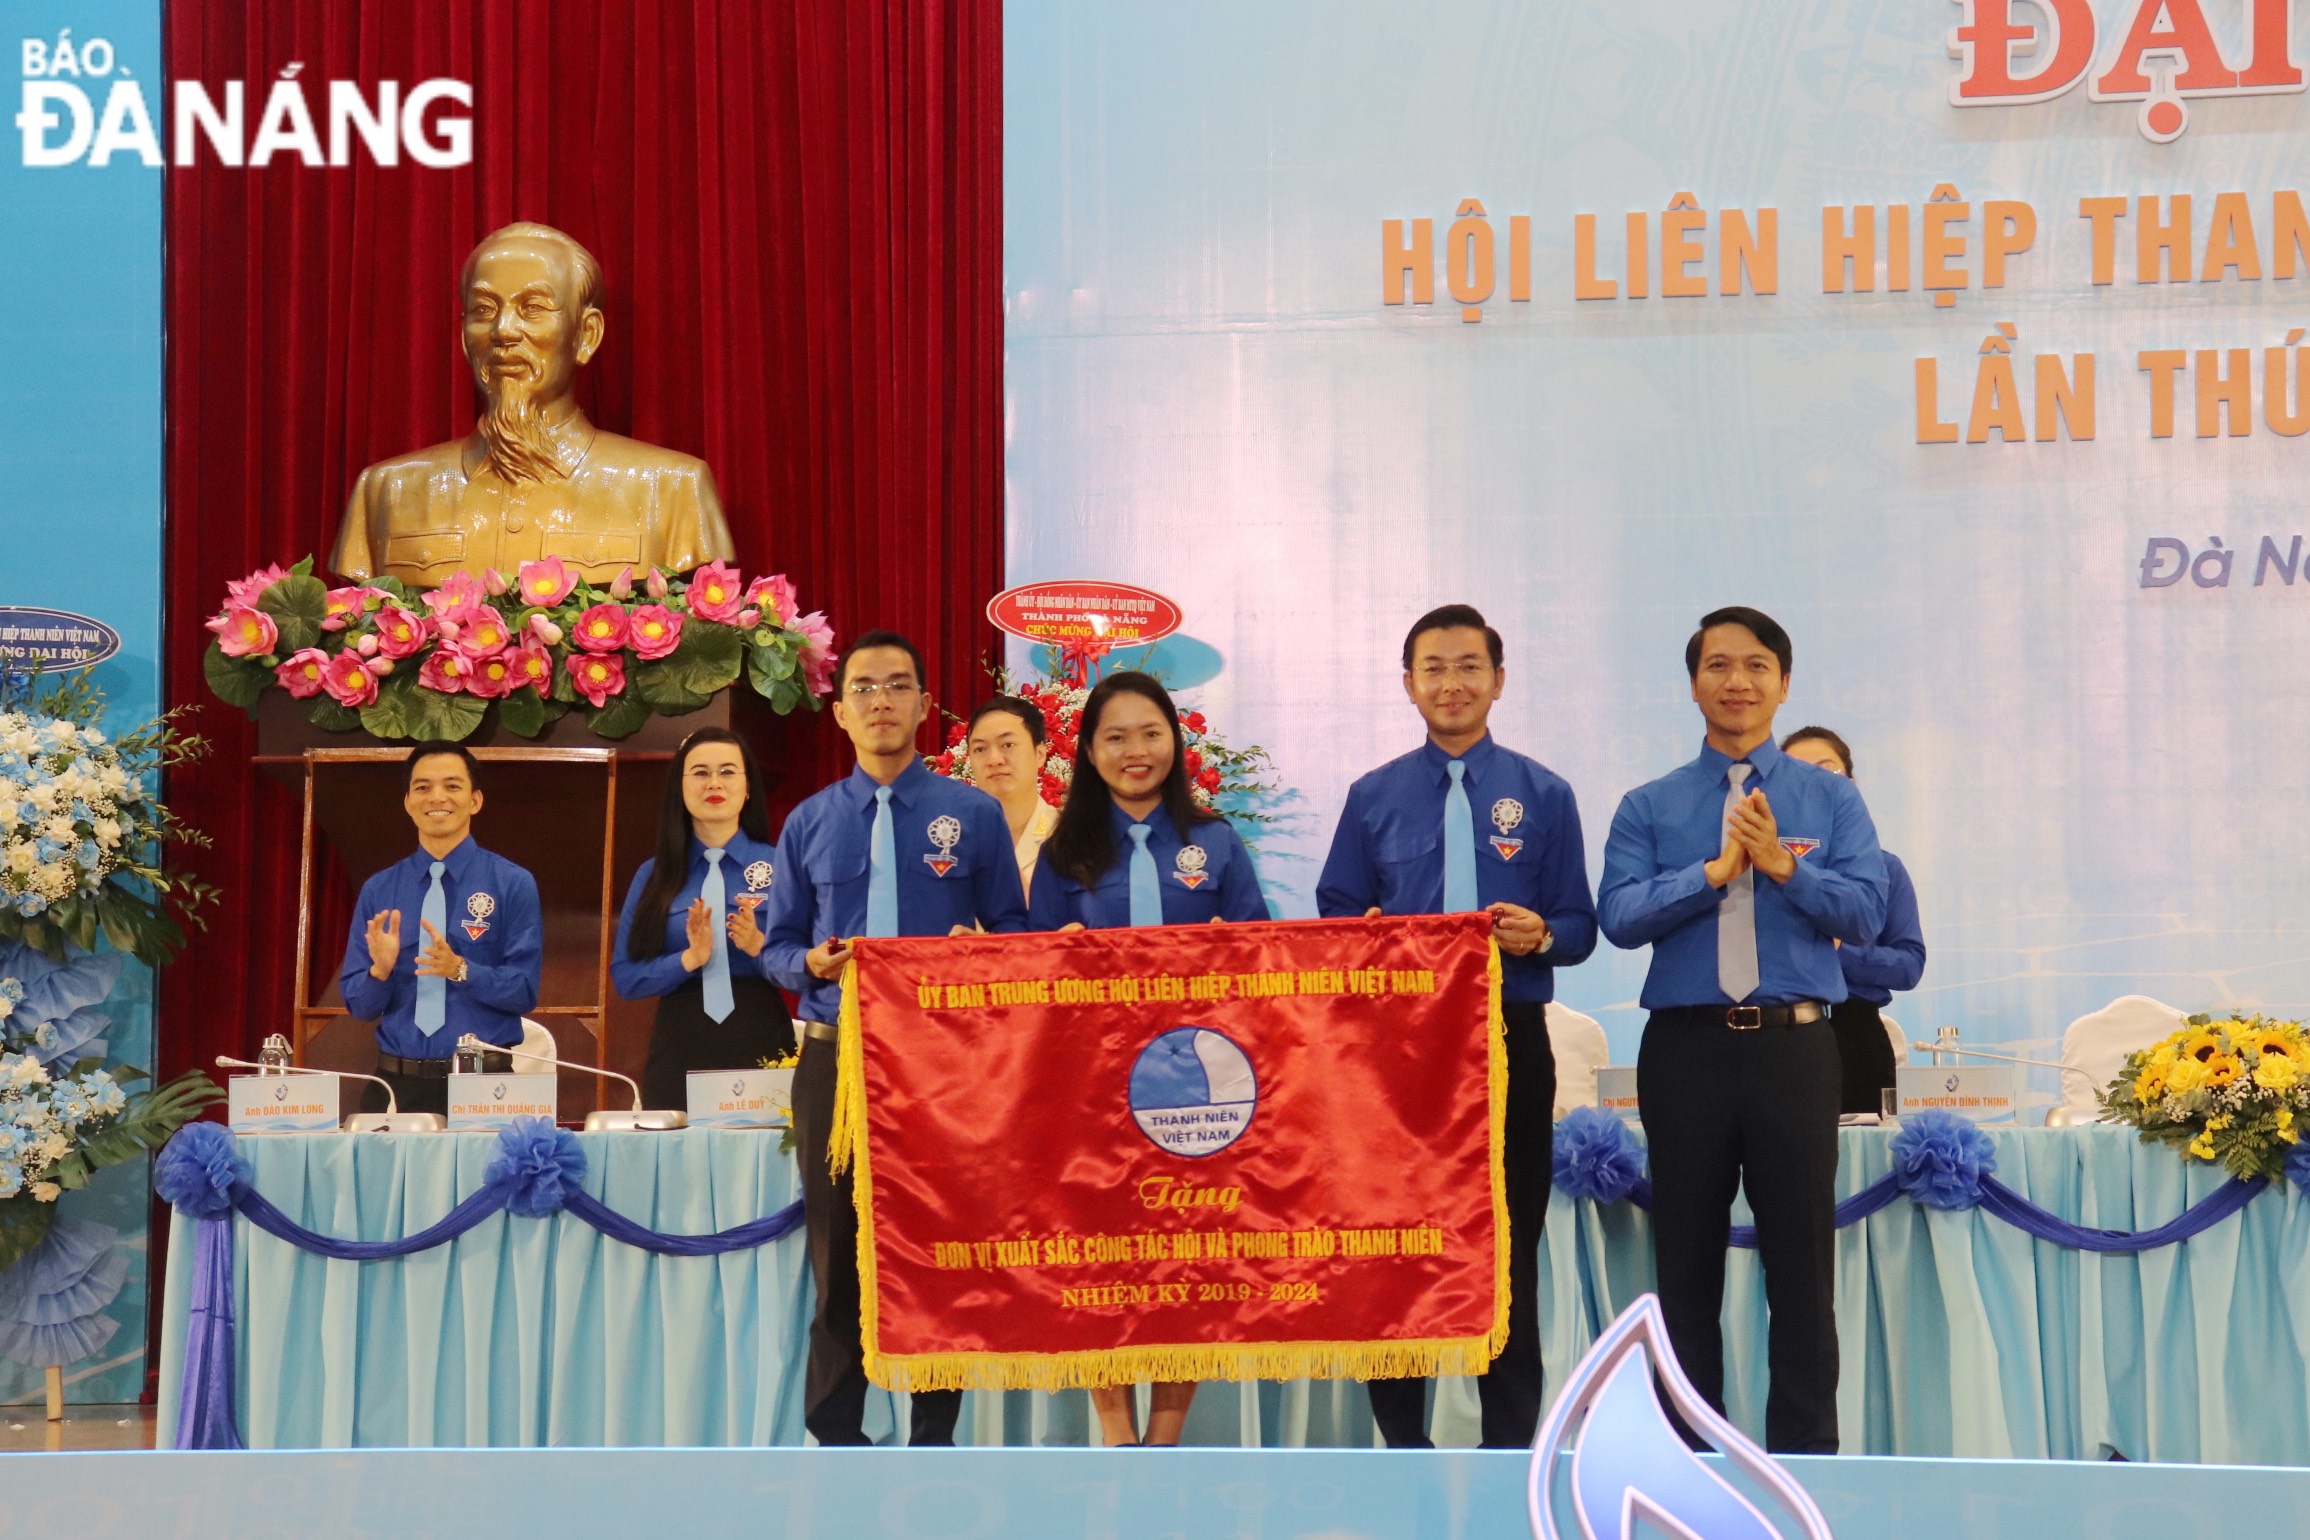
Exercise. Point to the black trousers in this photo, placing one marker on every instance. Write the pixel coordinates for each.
(834, 1383)
(684, 1038)
(1510, 1389)
(425, 1093)
(1864, 1052)
(1724, 1110)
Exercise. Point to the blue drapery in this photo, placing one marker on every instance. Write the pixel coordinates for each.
(535, 1170)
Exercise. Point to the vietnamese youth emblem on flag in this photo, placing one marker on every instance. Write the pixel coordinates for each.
(1189, 1152)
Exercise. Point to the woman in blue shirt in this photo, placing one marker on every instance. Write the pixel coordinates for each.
(688, 935)
(1132, 848)
(1894, 960)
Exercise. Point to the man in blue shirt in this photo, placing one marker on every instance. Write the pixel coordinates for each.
(889, 850)
(1743, 870)
(470, 960)
(1895, 960)
(1461, 824)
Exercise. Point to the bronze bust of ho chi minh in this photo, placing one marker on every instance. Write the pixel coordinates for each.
(534, 478)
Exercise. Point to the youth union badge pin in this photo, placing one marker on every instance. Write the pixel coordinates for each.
(1507, 813)
(1192, 859)
(1800, 848)
(946, 833)
(1193, 1091)
(478, 909)
(758, 875)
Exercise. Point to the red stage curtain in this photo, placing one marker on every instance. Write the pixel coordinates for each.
(798, 206)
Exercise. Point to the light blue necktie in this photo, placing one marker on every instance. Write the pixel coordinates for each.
(433, 991)
(882, 871)
(719, 1003)
(1146, 887)
(1736, 916)
(1459, 844)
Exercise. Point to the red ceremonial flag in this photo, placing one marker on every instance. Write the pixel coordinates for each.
(1187, 1152)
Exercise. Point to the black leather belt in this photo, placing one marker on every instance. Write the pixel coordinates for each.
(1741, 1018)
(824, 1031)
(494, 1061)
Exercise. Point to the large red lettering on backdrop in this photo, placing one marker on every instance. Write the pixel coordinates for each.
(1199, 1152)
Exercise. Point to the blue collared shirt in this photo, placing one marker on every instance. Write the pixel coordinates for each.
(1654, 891)
(821, 864)
(1206, 876)
(1896, 959)
(1388, 852)
(747, 868)
(494, 925)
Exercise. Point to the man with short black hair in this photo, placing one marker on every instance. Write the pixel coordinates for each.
(474, 968)
(888, 850)
(1408, 843)
(1742, 870)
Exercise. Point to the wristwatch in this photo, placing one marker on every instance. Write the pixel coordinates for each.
(464, 969)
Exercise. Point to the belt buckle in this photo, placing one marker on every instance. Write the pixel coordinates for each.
(1745, 1018)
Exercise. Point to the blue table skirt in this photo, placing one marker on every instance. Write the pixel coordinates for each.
(1961, 1336)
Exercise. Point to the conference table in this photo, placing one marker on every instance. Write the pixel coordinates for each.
(1960, 1334)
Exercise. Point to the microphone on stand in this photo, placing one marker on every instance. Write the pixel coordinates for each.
(596, 1122)
(391, 1121)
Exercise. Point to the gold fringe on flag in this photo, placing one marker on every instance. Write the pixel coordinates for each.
(846, 1131)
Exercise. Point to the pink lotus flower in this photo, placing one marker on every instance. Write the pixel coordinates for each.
(244, 592)
(245, 632)
(545, 631)
(447, 670)
(348, 683)
(817, 633)
(776, 596)
(494, 581)
(366, 646)
(655, 631)
(749, 620)
(531, 666)
(717, 592)
(345, 605)
(597, 677)
(300, 674)
(602, 629)
(490, 677)
(478, 630)
(462, 589)
(379, 666)
(546, 582)
(400, 633)
(655, 584)
(622, 586)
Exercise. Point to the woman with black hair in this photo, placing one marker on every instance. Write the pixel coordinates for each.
(688, 936)
(1132, 848)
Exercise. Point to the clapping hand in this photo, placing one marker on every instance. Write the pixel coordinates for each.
(697, 935)
(383, 934)
(745, 934)
(1759, 833)
(439, 960)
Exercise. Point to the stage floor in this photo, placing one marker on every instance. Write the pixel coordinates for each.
(979, 1494)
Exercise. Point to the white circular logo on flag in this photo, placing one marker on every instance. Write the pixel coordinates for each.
(1193, 1091)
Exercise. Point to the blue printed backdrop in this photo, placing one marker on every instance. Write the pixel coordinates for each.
(80, 501)
(2096, 785)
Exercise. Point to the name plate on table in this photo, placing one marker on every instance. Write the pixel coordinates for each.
(741, 1098)
(494, 1101)
(283, 1104)
(1983, 1093)
(1616, 1089)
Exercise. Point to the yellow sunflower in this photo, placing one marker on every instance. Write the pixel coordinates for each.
(2150, 1084)
(2222, 1069)
(2202, 1045)
(2262, 1041)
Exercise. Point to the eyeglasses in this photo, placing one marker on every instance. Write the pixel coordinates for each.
(895, 689)
(1435, 673)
